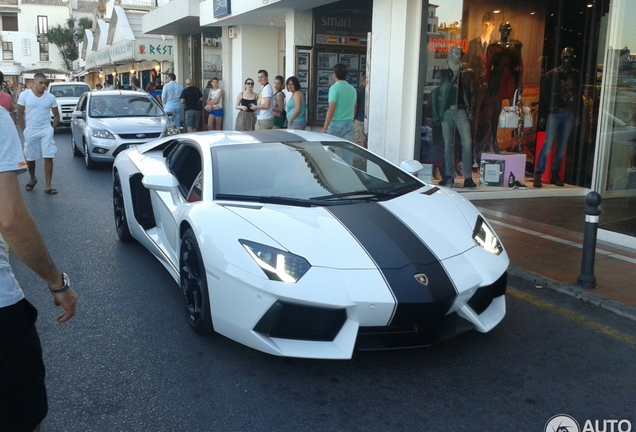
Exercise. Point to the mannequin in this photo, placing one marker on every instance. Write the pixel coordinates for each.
(559, 97)
(476, 57)
(453, 104)
(504, 68)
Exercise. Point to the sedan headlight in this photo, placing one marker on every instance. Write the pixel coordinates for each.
(172, 130)
(485, 237)
(278, 265)
(102, 133)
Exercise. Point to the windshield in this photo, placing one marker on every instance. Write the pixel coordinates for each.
(323, 171)
(73, 91)
(140, 105)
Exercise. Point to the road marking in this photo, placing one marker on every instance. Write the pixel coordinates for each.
(573, 316)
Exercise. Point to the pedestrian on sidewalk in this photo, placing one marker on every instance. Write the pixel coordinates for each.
(171, 98)
(342, 98)
(34, 107)
(264, 104)
(23, 401)
(191, 98)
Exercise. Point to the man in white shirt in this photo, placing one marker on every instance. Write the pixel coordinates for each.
(34, 118)
(23, 401)
(264, 105)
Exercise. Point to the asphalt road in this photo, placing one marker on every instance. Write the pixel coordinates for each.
(129, 362)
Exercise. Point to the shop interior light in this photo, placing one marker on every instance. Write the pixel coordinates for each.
(114, 73)
(157, 67)
(132, 71)
(497, 11)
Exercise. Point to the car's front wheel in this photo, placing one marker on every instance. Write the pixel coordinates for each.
(194, 284)
(121, 222)
(88, 160)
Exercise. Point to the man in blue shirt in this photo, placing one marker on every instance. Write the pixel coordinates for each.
(171, 97)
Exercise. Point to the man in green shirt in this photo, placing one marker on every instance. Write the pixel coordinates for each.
(342, 99)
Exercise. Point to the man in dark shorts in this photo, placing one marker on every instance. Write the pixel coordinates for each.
(23, 403)
(191, 97)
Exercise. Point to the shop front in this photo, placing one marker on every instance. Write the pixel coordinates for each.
(560, 72)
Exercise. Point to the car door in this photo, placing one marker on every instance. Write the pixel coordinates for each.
(78, 124)
(185, 163)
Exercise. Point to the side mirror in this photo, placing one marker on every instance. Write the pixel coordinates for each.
(163, 183)
(77, 115)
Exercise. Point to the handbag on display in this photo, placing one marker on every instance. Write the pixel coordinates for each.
(509, 117)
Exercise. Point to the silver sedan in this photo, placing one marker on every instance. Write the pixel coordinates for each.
(107, 122)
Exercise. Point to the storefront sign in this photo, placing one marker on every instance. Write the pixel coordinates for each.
(102, 57)
(153, 49)
(337, 24)
(89, 63)
(221, 8)
(121, 51)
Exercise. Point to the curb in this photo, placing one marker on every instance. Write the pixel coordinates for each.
(522, 278)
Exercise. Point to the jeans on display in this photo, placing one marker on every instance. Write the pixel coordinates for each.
(558, 126)
(457, 118)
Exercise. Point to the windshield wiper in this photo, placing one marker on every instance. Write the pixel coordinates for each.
(362, 194)
(300, 202)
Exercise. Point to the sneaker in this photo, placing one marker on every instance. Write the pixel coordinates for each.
(469, 183)
(520, 185)
(511, 181)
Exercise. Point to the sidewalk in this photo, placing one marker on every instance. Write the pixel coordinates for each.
(543, 238)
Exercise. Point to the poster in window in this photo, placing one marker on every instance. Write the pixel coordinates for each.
(350, 61)
(303, 62)
(323, 94)
(325, 78)
(303, 79)
(352, 78)
(321, 112)
(327, 60)
(363, 62)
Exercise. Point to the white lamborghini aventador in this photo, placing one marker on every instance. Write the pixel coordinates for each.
(301, 244)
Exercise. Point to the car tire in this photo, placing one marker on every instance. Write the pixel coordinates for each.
(76, 151)
(194, 284)
(121, 221)
(88, 161)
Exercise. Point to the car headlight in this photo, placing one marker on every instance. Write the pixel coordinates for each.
(172, 130)
(102, 133)
(485, 237)
(278, 265)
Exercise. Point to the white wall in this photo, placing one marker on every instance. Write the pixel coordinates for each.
(393, 78)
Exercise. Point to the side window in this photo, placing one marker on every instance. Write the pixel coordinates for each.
(184, 162)
(81, 104)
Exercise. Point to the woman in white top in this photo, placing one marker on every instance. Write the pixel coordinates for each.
(215, 99)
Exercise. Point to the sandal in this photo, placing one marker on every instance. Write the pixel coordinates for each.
(50, 191)
(30, 186)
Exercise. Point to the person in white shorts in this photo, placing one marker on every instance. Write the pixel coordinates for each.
(35, 121)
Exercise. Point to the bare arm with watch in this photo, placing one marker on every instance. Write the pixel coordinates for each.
(20, 231)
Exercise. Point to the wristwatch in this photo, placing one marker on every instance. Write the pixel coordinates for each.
(64, 287)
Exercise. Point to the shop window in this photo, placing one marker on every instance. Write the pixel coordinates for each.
(44, 52)
(546, 52)
(9, 22)
(7, 50)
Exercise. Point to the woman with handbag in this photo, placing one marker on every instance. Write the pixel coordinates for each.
(246, 120)
(214, 106)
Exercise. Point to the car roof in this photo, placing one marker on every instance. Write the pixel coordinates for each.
(221, 138)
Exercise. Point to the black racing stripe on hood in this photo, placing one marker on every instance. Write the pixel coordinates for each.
(400, 255)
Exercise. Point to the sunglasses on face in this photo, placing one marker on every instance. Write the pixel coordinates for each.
(249, 83)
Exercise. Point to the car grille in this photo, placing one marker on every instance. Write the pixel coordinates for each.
(136, 135)
(482, 298)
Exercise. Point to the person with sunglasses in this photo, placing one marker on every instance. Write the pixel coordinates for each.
(246, 120)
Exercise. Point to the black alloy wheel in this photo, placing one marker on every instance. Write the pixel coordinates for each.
(121, 222)
(194, 285)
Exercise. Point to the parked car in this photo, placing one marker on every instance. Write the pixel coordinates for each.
(67, 94)
(107, 122)
(301, 244)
